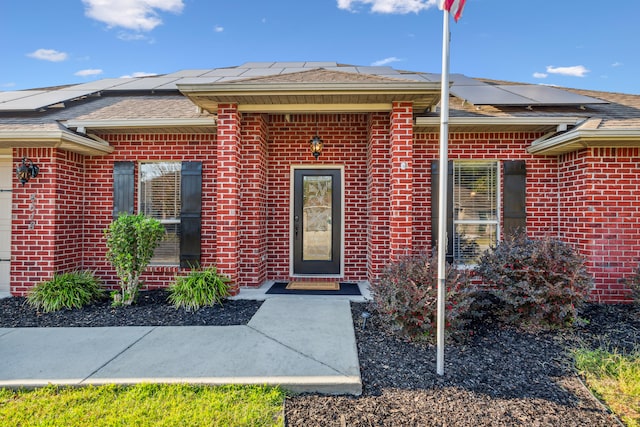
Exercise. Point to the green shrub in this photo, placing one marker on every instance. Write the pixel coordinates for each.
(406, 296)
(66, 290)
(199, 288)
(540, 283)
(131, 241)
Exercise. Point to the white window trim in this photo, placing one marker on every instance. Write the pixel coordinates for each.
(497, 222)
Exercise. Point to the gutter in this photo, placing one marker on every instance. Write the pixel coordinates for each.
(56, 139)
(501, 121)
(82, 125)
(577, 139)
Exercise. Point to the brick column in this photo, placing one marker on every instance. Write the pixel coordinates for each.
(401, 189)
(227, 192)
(378, 165)
(253, 210)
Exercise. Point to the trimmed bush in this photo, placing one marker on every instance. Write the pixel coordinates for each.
(198, 289)
(131, 242)
(540, 283)
(406, 296)
(66, 290)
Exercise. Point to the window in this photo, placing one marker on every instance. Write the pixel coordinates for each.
(170, 192)
(160, 199)
(474, 205)
(475, 208)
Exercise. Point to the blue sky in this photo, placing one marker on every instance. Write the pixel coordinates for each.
(584, 44)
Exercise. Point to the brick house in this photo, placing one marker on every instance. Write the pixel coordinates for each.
(222, 157)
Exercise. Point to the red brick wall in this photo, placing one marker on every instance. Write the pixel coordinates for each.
(253, 200)
(401, 177)
(378, 171)
(228, 192)
(98, 198)
(600, 199)
(33, 224)
(345, 143)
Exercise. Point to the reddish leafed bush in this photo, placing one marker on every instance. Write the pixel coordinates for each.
(406, 296)
(540, 283)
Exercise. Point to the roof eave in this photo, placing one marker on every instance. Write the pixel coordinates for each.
(484, 124)
(308, 97)
(586, 138)
(63, 140)
(138, 125)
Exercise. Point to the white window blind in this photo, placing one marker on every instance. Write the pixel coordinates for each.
(475, 208)
(160, 199)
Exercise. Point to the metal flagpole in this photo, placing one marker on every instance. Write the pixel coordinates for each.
(442, 194)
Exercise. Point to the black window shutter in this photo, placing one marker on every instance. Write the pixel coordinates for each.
(123, 183)
(190, 214)
(514, 198)
(435, 197)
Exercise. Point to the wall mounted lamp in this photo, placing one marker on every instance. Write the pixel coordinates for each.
(316, 142)
(26, 170)
(316, 146)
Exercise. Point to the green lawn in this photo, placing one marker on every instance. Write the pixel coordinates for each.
(615, 379)
(143, 405)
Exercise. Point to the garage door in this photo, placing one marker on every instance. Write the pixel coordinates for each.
(6, 175)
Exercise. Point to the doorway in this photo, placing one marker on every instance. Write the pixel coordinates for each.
(317, 222)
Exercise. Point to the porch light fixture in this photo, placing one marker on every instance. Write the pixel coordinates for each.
(26, 170)
(316, 146)
(316, 142)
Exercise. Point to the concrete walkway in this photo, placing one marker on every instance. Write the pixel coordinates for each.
(305, 344)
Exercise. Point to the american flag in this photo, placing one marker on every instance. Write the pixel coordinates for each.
(453, 6)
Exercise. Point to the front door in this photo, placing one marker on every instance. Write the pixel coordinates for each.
(317, 221)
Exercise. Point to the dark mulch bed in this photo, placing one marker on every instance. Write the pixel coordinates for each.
(151, 309)
(500, 377)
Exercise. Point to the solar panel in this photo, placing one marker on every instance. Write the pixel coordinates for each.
(261, 72)
(225, 72)
(547, 95)
(188, 80)
(187, 73)
(97, 85)
(319, 64)
(376, 70)
(10, 96)
(146, 83)
(44, 99)
(488, 95)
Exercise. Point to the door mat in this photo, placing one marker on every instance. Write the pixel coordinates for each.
(346, 288)
(314, 286)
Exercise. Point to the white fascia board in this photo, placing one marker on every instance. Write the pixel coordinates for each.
(56, 139)
(306, 88)
(586, 138)
(500, 121)
(140, 123)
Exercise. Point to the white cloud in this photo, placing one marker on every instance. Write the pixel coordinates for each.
(575, 71)
(617, 64)
(388, 6)
(88, 72)
(138, 74)
(540, 75)
(48, 55)
(218, 29)
(126, 36)
(385, 61)
(8, 85)
(137, 15)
